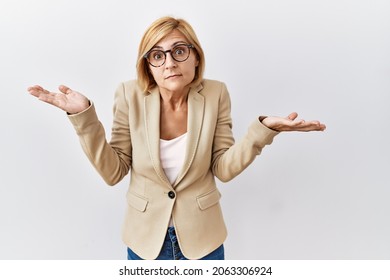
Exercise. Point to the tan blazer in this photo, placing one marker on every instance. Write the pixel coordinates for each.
(193, 200)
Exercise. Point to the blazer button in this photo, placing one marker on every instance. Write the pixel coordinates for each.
(171, 194)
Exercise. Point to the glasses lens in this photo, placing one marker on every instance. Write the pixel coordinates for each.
(180, 52)
(156, 58)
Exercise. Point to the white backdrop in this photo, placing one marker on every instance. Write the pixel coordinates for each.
(308, 196)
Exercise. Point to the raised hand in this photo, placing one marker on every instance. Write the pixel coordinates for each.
(290, 123)
(68, 100)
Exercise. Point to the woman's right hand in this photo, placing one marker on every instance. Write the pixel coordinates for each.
(68, 100)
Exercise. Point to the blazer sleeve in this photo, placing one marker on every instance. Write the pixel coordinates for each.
(229, 158)
(111, 159)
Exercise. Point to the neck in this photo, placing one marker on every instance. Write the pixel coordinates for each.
(175, 101)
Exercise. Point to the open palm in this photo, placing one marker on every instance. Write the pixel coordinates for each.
(291, 123)
(68, 100)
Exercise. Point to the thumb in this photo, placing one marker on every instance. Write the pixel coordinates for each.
(64, 89)
(292, 116)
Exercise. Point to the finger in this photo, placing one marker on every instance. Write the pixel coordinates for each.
(312, 126)
(292, 116)
(38, 91)
(314, 123)
(36, 87)
(296, 122)
(319, 126)
(47, 98)
(64, 89)
(33, 92)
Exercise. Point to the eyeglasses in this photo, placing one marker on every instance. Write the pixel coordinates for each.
(179, 53)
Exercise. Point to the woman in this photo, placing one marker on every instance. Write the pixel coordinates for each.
(172, 131)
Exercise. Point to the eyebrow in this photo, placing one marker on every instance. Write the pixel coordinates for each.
(173, 45)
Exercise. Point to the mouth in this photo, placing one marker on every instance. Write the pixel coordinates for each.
(172, 76)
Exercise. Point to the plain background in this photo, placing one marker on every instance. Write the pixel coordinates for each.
(308, 196)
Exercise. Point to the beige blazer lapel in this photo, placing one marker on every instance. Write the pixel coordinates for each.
(152, 126)
(194, 125)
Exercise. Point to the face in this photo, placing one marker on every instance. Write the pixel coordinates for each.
(174, 76)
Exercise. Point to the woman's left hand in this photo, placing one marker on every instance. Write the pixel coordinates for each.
(291, 123)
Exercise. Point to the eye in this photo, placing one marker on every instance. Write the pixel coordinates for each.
(156, 55)
(180, 50)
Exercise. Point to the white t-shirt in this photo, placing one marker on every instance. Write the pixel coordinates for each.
(172, 153)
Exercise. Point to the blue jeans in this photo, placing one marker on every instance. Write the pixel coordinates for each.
(171, 250)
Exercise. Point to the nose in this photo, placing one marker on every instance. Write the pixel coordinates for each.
(169, 61)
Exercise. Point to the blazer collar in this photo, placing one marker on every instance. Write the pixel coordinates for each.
(152, 125)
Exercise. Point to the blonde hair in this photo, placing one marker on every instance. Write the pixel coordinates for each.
(156, 32)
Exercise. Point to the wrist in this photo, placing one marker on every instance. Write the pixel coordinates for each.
(84, 108)
(261, 118)
(263, 121)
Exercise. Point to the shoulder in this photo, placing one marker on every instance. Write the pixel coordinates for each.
(213, 89)
(128, 93)
(129, 90)
(130, 86)
(212, 84)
